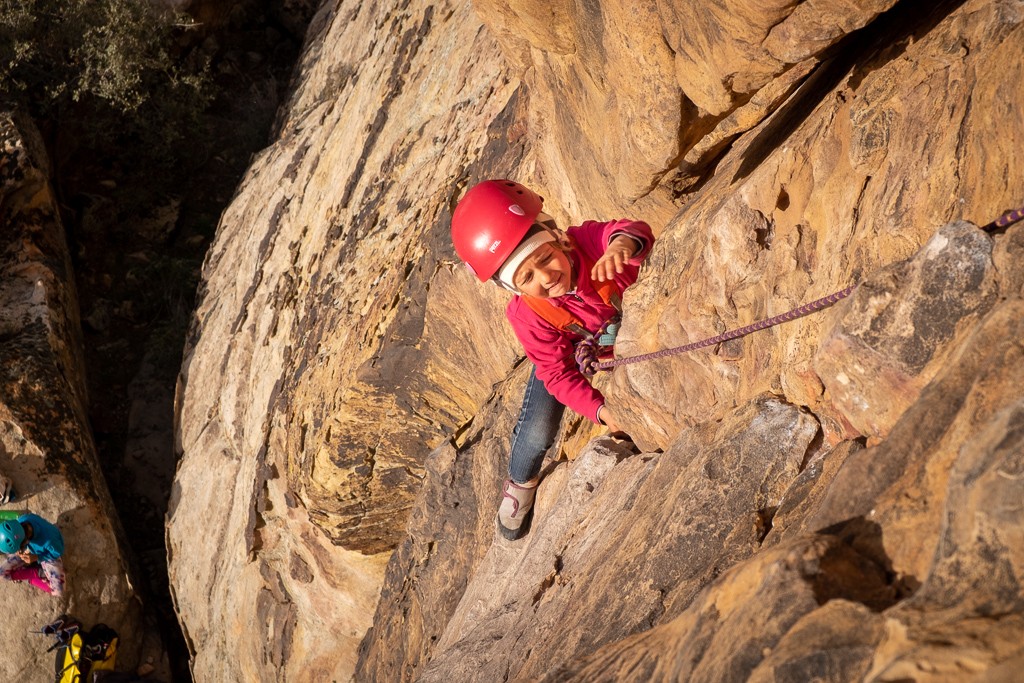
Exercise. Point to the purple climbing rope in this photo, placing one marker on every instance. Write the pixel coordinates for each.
(1008, 218)
(586, 353)
(799, 312)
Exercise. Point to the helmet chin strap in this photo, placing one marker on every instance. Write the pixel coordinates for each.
(504, 285)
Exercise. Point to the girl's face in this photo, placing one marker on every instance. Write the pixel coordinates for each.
(546, 273)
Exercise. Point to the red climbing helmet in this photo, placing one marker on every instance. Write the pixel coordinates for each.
(490, 221)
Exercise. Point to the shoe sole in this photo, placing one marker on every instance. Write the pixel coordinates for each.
(515, 534)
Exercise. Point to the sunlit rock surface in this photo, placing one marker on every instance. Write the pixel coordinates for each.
(308, 400)
(46, 444)
(343, 370)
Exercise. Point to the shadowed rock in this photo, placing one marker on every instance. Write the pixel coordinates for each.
(46, 444)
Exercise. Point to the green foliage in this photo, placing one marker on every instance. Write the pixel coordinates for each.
(113, 88)
(116, 51)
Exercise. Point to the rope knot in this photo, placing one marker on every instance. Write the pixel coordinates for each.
(586, 357)
(589, 348)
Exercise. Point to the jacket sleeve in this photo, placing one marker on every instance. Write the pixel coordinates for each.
(638, 230)
(552, 352)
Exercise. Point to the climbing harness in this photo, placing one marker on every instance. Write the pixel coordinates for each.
(586, 351)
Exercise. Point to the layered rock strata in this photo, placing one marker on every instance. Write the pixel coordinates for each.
(824, 208)
(746, 550)
(308, 400)
(46, 444)
(780, 157)
(865, 174)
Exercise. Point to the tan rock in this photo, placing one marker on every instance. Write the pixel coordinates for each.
(760, 621)
(571, 570)
(950, 424)
(46, 445)
(337, 342)
(758, 239)
(308, 400)
(897, 328)
(805, 206)
(428, 572)
(868, 564)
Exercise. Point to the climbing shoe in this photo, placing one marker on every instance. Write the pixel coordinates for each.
(516, 509)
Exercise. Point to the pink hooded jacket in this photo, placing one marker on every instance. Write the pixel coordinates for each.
(553, 350)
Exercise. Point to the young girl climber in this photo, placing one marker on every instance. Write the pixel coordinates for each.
(566, 287)
(34, 548)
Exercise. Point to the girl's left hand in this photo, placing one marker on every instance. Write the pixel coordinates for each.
(619, 251)
(609, 420)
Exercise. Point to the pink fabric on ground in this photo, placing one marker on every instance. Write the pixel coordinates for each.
(31, 574)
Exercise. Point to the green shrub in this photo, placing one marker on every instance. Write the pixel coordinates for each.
(114, 89)
(53, 51)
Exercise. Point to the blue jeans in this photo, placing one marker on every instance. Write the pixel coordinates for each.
(534, 432)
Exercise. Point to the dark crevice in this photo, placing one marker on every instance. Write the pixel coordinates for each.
(136, 284)
(860, 52)
(548, 581)
(858, 569)
(782, 202)
(763, 236)
(764, 522)
(651, 620)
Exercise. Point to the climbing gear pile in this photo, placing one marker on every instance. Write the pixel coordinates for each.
(80, 652)
(588, 364)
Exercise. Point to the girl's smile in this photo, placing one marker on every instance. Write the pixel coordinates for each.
(545, 274)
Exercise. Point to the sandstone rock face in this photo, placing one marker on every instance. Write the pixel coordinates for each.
(859, 577)
(46, 445)
(711, 484)
(664, 86)
(879, 356)
(745, 551)
(936, 505)
(308, 402)
(342, 369)
(834, 187)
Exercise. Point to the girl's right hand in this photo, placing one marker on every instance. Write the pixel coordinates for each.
(614, 260)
